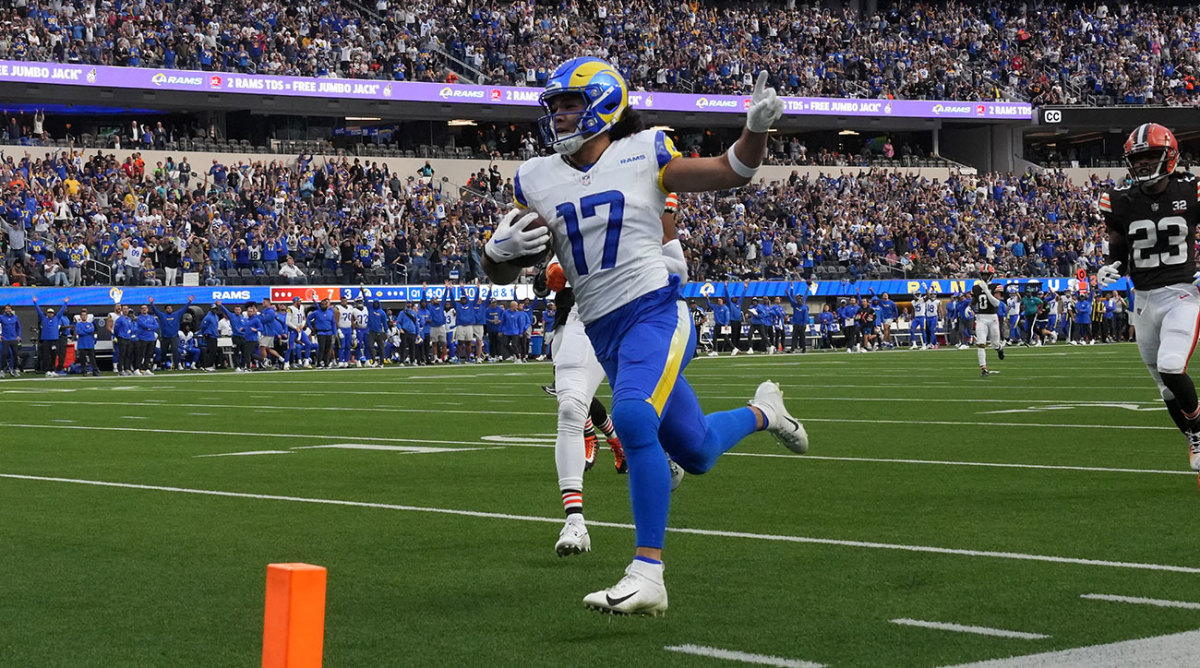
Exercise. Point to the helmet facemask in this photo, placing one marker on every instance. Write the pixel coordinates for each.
(1149, 166)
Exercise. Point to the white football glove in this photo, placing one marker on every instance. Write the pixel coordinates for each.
(1108, 274)
(1196, 276)
(511, 240)
(765, 106)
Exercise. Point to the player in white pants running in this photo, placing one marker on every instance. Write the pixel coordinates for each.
(1151, 227)
(987, 317)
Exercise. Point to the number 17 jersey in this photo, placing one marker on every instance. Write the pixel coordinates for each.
(606, 221)
(1160, 230)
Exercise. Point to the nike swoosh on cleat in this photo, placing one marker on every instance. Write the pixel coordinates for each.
(614, 602)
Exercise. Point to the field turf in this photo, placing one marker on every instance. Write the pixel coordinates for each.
(929, 494)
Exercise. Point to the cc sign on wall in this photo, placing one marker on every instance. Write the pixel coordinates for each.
(1052, 116)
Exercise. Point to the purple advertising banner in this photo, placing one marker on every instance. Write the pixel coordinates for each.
(408, 91)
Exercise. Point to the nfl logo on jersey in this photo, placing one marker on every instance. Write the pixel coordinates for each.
(586, 180)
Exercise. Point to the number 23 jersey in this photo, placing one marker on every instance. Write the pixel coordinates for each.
(606, 221)
(1159, 230)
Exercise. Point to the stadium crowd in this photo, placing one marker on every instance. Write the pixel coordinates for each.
(73, 219)
(1133, 52)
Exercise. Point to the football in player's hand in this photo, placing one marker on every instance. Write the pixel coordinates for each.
(534, 259)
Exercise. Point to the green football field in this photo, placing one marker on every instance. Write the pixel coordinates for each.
(1038, 508)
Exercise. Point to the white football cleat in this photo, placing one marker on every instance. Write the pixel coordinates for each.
(640, 592)
(677, 473)
(573, 539)
(1194, 443)
(769, 399)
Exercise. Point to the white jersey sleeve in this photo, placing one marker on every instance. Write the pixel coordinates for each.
(606, 221)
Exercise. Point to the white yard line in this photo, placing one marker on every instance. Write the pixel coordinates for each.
(551, 414)
(934, 462)
(1179, 649)
(403, 449)
(927, 549)
(965, 423)
(742, 657)
(1161, 603)
(547, 442)
(249, 452)
(964, 628)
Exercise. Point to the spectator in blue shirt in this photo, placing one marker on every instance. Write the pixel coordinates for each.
(124, 344)
(887, 315)
(494, 324)
(85, 342)
(237, 322)
(511, 328)
(253, 325)
(168, 323)
(735, 319)
(209, 332)
(410, 329)
(269, 335)
(799, 317)
(323, 321)
(10, 342)
(720, 315)
(48, 337)
(826, 322)
(468, 326)
(437, 321)
(377, 327)
(146, 327)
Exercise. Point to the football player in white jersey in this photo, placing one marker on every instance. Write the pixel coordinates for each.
(916, 328)
(345, 331)
(361, 314)
(601, 196)
(295, 326)
(577, 375)
(933, 313)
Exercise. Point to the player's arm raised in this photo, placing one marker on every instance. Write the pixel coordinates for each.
(737, 166)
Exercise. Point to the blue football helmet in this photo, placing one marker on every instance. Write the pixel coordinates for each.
(605, 95)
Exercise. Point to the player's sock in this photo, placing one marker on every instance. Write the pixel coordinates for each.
(982, 354)
(607, 427)
(1183, 392)
(573, 503)
(588, 428)
(1176, 414)
(649, 475)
